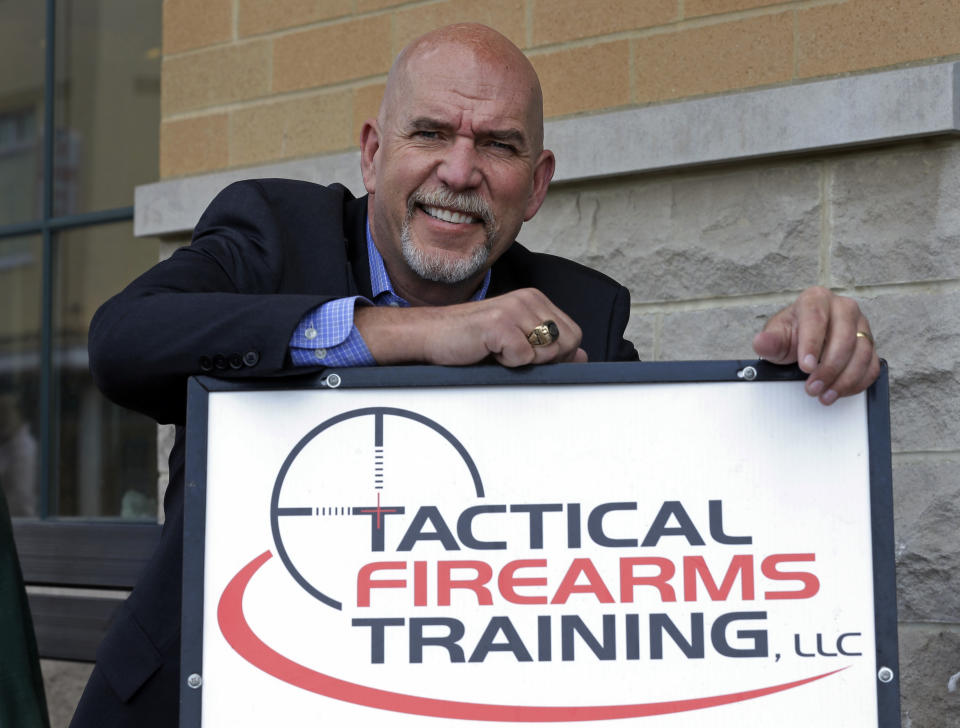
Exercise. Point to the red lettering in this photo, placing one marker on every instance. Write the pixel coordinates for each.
(419, 583)
(509, 581)
(694, 565)
(365, 583)
(811, 584)
(446, 583)
(593, 586)
(628, 580)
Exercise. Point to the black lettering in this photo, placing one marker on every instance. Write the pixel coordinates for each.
(685, 527)
(448, 641)
(718, 635)
(416, 533)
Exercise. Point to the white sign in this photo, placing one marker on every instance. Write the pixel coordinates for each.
(649, 555)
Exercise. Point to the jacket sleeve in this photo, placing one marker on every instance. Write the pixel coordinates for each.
(215, 307)
(618, 347)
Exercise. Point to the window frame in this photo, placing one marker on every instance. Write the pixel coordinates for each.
(72, 555)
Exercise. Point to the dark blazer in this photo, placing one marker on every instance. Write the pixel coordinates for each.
(263, 254)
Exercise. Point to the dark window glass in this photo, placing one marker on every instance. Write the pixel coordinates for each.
(106, 463)
(21, 109)
(107, 102)
(20, 316)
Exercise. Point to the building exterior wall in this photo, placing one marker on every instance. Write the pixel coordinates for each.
(251, 81)
(708, 250)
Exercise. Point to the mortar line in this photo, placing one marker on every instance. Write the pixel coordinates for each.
(826, 222)
(780, 297)
(528, 21)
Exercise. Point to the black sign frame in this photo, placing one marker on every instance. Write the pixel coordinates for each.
(746, 371)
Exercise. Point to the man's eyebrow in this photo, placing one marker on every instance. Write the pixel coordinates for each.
(507, 135)
(426, 123)
(513, 135)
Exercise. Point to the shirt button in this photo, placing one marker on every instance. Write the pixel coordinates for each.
(310, 333)
(320, 353)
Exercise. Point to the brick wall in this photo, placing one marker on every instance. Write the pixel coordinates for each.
(251, 81)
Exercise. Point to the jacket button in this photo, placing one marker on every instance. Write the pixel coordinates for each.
(220, 361)
(236, 361)
(205, 364)
(251, 358)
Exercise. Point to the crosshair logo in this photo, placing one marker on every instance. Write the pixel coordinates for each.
(341, 484)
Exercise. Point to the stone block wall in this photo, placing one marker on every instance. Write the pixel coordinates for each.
(708, 254)
(250, 81)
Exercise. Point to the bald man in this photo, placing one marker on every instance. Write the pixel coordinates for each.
(282, 275)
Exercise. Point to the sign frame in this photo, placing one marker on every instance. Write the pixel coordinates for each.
(692, 372)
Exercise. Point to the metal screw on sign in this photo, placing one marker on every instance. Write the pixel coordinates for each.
(885, 674)
(748, 373)
(194, 681)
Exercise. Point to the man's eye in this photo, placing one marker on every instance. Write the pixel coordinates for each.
(503, 146)
(426, 134)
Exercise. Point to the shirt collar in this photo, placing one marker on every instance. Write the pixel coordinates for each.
(380, 281)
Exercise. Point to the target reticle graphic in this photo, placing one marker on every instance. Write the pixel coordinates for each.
(340, 487)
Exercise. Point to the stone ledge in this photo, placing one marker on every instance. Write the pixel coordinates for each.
(842, 112)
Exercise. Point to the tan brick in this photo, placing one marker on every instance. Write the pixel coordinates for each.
(332, 53)
(188, 146)
(217, 76)
(559, 20)
(263, 16)
(188, 24)
(861, 34)
(506, 16)
(293, 128)
(584, 79)
(733, 55)
(366, 105)
(695, 8)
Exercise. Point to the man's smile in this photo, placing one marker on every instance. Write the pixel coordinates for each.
(452, 216)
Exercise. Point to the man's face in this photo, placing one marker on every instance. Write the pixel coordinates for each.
(454, 168)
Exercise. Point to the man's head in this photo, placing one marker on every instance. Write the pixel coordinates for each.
(454, 162)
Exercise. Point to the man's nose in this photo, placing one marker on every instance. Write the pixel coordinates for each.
(458, 169)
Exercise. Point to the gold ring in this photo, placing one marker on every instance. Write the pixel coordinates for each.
(867, 336)
(544, 334)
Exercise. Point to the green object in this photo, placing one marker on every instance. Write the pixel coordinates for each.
(22, 701)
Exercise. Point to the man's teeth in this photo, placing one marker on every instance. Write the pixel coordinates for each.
(448, 215)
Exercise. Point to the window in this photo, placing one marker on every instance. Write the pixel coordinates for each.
(79, 116)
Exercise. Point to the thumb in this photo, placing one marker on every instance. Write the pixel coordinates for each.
(775, 344)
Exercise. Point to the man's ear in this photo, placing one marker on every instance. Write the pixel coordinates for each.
(369, 146)
(542, 174)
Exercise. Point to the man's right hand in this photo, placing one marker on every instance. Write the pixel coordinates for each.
(468, 333)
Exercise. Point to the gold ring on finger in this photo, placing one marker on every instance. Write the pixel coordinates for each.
(544, 334)
(866, 335)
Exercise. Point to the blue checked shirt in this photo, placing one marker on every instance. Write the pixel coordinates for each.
(327, 336)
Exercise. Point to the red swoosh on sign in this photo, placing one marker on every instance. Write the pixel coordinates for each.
(240, 636)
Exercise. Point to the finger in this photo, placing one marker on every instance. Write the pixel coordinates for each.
(775, 343)
(873, 371)
(855, 377)
(841, 342)
(813, 319)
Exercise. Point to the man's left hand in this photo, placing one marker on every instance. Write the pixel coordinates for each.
(829, 338)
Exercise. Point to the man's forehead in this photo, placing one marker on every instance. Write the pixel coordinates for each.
(483, 92)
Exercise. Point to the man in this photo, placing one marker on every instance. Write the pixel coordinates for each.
(283, 274)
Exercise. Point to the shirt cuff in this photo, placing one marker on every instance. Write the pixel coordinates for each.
(326, 336)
